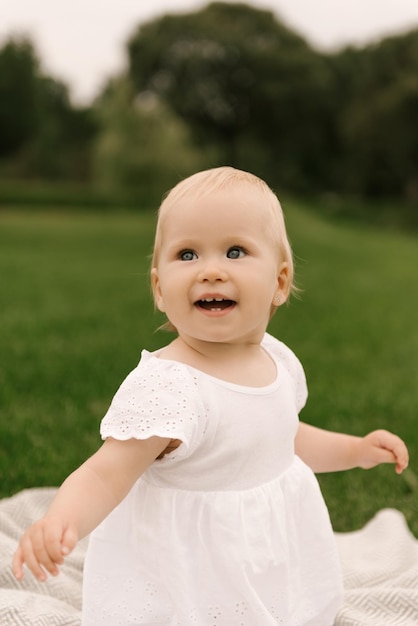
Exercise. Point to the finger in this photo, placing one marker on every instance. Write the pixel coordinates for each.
(402, 459)
(37, 554)
(53, 543)
(31, 561)
(402, 456)
(69, 541)
(402, 464)
(378, 455)
(398, 448)
(17, 564)
(385, 456)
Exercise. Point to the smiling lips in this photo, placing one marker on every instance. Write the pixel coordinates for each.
(214, 305)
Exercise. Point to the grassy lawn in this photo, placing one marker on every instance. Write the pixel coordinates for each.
(76, 311)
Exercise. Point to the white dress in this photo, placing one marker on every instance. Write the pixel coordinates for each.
(230, 529)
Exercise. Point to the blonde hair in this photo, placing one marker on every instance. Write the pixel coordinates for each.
(209, 181)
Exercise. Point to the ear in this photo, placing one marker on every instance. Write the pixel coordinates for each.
(156, 290)
(283, 285)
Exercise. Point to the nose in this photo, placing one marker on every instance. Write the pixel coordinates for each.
(212, 270)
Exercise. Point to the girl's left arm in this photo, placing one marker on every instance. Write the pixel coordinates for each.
(326, 451)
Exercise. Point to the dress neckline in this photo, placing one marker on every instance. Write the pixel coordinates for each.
(265, 389)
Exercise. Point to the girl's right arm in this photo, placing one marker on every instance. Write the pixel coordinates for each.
(83, 501)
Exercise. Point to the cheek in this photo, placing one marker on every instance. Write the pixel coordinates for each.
(172, 285)
(166, 292)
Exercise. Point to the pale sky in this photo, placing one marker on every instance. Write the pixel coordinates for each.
(82, 42)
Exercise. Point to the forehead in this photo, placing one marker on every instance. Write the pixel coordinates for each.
(232, 209)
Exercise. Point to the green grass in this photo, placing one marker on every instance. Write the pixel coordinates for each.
(76, 311)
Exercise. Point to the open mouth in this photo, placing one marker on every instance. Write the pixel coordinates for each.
(214, 304)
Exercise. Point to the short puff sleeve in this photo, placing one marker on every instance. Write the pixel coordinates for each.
(158, 398)
(293, 366)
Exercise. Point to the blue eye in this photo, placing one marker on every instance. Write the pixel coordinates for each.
(236, 252)
(187, 255)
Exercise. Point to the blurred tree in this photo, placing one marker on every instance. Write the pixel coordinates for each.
(243, 82)
(142, 147)
(378, 88)
(41, 134)
(382, 149)
(18, 95)
(62, 145)
(228, 84)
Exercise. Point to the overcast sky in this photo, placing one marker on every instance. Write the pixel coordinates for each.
(82, 41)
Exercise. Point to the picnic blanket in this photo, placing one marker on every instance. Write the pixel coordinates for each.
(380, 566)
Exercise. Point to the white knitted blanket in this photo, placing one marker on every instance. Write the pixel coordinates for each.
(380, 564)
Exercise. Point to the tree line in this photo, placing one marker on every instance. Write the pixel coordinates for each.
(228, 84)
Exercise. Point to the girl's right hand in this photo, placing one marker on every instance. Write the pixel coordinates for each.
(43, 547)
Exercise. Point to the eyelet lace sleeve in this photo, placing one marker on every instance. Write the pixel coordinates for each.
(159, 398)
(293, 366)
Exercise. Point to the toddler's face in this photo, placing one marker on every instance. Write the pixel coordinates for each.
(218, 270)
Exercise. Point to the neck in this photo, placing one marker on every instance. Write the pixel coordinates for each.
(243, 363)
(215, 351)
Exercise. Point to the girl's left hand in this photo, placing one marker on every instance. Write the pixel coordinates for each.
(382, 446)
